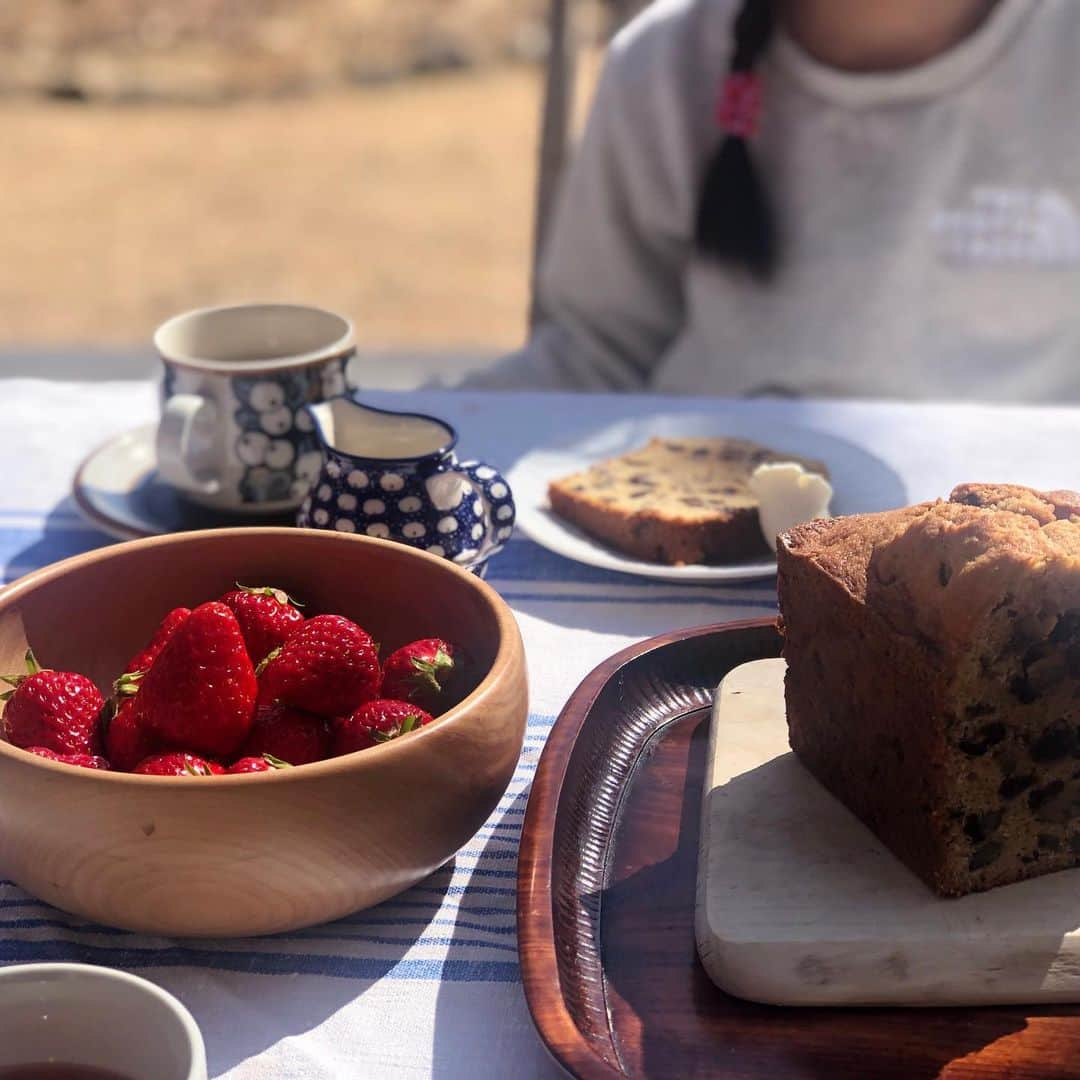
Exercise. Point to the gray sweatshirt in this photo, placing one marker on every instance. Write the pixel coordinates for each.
(928, 219)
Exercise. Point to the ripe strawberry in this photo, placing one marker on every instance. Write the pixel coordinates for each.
(178, 764)
(327, 666)
(262, 763)
(58, 710)
(127, 740)
(375, 722)
(266, 617)
(85, 761)
(143, 660)
(420, 672)
(287, 734)
(200, 693)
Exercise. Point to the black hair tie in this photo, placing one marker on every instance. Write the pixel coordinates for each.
(734, 221)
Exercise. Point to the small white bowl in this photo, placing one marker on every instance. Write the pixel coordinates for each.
(80, 1014)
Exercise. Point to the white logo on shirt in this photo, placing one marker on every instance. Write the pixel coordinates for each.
(1004, 225)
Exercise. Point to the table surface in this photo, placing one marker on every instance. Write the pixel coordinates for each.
(427, 984)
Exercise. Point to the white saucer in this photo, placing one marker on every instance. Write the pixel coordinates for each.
(862, 483)
(117, 490)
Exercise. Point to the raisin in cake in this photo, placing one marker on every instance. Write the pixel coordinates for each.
(933, 680)
(673, 501)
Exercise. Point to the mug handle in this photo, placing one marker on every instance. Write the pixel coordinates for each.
(179, 416)
(499, 511)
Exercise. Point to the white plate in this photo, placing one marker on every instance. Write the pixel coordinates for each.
(861, 483)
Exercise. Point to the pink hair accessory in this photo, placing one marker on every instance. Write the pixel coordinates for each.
(738, 105)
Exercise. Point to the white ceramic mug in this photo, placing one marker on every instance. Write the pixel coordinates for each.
(79, 1014)
(234, 434)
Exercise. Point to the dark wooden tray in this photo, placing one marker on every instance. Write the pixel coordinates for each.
(606, 886)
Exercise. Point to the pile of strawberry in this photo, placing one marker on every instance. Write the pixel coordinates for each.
(242, 684)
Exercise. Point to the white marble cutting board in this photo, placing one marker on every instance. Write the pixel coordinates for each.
(800, 904)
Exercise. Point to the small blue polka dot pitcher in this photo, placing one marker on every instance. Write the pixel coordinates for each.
(394, 476)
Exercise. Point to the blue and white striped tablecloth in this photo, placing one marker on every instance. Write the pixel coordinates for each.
(427, 984)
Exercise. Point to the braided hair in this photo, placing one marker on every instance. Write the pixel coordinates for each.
(734, 221)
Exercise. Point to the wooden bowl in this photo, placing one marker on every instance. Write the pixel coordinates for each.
(240, 855)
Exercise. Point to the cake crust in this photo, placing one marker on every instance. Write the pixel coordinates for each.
(934, 678)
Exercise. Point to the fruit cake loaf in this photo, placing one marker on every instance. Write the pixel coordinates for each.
(677, 501)
(933, 681)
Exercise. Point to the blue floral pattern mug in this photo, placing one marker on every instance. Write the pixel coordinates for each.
(394, 476)
(235, 433)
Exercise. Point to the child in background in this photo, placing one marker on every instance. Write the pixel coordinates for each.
(829, 197)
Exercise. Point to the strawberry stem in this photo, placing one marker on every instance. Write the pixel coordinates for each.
(128, 683)
(32, 668)
(108, 714)
(410, 723)
(279, 595)
(269, 658)
(277, 763)
(428, 671)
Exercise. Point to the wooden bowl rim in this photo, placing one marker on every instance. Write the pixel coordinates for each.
(508, 644)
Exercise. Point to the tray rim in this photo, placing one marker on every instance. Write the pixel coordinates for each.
(535, 913)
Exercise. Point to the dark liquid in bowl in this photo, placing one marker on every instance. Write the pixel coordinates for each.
(57, 1072)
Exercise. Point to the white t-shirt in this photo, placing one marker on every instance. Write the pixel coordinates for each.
(929, 221)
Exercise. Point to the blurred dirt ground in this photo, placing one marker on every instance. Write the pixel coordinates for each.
(407, 208)
(373, 156)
